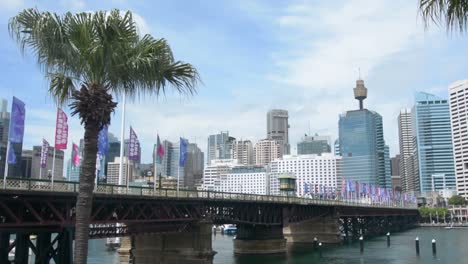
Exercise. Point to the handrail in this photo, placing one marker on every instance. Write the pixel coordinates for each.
(110, 189)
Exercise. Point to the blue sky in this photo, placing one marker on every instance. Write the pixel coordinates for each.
(252, 56)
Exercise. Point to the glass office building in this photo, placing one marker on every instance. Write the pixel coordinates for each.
(362, 146)
(433, 143)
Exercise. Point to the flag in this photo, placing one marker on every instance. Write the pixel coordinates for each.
(182, 151)
(11, 156)
(343, 186)
(364, 188)
(159, 150)
(61, 130)
(44, 153)
(103, 142)
(75, 155)
(18, 114)
(133, 146)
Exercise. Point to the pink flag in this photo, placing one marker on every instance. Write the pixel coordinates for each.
(75, 155)
(61, 130)
(44, 153)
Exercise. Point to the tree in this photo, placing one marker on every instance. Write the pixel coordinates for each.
(89, 58)
(457, 200)
(453, 14)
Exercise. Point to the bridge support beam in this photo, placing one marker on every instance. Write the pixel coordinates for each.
(325, 229)
(252, 239)
(4, 244)
(192, 246)
(22, 249)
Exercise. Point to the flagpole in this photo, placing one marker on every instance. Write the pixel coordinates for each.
(40, 172)
(53, 168)
(122, 135)
(178, 176)
(6, 162)
(155, 169)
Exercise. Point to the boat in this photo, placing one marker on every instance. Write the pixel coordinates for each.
(230, 230)
(113, 243)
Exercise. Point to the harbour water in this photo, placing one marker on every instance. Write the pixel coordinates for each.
(452, 247)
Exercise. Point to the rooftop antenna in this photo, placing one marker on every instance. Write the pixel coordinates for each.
(360, 91)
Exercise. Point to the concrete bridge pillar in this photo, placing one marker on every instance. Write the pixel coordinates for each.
(325, 229)
(259, 239)
(191, 247)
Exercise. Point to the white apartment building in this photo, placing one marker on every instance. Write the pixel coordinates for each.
(267, 150)
(312, 169)
(113, 171)
(212, 173)
(458, 101)
(243, 152)
(244, 179)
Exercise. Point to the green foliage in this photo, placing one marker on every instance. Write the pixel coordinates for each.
(452, 13)
(101, 49)
(426, 212)
(457, 200)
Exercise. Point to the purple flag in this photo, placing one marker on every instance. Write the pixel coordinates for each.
(103, 141)
(11, 156)
(182, 151)
(133, 146)
(44, 153)
(18, 114)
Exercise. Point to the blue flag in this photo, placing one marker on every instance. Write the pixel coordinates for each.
(18, 113)
(11, 155)
(182, 151)
(103, 141)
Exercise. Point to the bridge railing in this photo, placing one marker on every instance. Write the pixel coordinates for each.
(73, 187)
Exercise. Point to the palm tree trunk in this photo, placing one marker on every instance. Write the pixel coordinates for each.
(85, 194)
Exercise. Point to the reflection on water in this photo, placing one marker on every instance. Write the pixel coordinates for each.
(452, 247)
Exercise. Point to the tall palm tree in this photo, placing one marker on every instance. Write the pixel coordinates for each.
(88, 58)
(452, 14)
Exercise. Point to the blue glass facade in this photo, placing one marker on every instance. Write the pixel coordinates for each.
(433, 143)
(362, 147)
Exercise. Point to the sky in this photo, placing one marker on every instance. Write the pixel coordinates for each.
(256, 55)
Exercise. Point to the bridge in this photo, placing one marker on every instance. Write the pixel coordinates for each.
(175, 227)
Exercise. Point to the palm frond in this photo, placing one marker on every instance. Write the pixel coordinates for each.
(452, 14)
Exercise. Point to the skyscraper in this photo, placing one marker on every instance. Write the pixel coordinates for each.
(314, 145)
(113, 151)
(405, 138)
(458, 92)
(220, 146)
(267, 150)
(278, 128)
(193, 168)
(362, 144)
(243, 152)
(433, 141)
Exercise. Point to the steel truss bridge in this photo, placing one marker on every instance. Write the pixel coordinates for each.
(31, 206)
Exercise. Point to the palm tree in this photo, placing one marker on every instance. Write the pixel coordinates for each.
(452, 13)
(88, 58)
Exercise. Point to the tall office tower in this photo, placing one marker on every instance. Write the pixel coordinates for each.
(314, 145)
(278, 129)
(26, 163)
(194, 164)
(433, 143)
(458, 104)
(266, 150)
(395, 172)
(113, 171)
(243, 152)
(113, 151)
(314, 170)
(362, 144)
(220, 146)
(336, 147)
(47, 171)
(405, 138)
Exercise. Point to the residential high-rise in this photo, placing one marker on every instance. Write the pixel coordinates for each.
(267, 150)
(47, 171)
(433, 141)
(243, 152)
(405, 138)
(314, 170)
(113, 171)
(220, 146)
(458, 92)
(362, 145)
(251, 179)
(314, 145)
(213, 171)
(278, 128)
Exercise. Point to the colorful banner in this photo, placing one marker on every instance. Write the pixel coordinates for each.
(61, 130)
(183, 151)
(44, 153)
(103, 141)
(160, 150)
(18, 114)
(75, 155)
(133, 146)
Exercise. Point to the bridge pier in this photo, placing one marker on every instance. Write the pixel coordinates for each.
(4, 244)
(259, 239)
(192, 246)
(325, 229)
